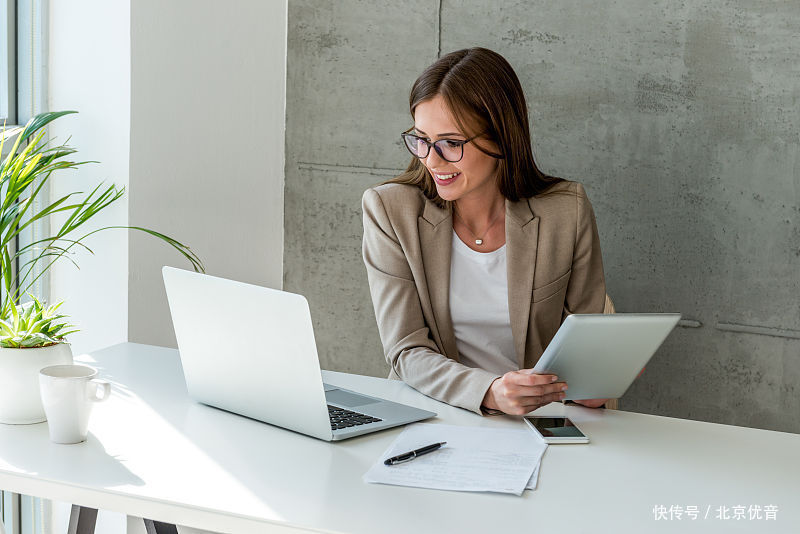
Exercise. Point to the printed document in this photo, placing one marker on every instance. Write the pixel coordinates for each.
(531, 485)
(474, 459)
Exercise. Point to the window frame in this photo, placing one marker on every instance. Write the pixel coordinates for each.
(23, 94)
(8, 62)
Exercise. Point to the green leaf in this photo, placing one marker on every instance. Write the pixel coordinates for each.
(7, 268)
(5, 328)
(27, 312)
(24, 174)
(42, 120)
(63, 335)
(36, 340)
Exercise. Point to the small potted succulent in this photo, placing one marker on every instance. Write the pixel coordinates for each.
(32, 338)
(33, 334)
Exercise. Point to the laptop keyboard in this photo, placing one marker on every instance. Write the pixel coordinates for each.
(341, 418)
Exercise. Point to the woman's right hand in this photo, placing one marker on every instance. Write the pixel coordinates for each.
(520, 392)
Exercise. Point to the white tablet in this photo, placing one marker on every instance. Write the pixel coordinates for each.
(600, 355)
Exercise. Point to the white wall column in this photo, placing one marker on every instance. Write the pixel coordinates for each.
(89, 71)
(207, 146)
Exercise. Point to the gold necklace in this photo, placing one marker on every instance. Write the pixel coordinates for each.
(478, 240)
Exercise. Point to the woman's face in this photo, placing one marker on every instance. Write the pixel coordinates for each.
(471, 178)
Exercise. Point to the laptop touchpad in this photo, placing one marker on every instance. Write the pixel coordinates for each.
(343, 398)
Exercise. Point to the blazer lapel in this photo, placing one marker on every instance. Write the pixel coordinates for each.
(522, 233)
(436, 234)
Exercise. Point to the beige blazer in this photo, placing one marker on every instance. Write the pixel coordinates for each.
(554, 269)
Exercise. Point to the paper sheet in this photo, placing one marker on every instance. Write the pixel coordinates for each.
(474, 459)
(534, 480)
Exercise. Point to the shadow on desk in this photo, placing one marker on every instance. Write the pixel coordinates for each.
(181, 435)
(60, 461)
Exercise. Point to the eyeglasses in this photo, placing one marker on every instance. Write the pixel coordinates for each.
(451, 150)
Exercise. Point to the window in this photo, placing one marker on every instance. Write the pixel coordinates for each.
(23, 94)
(8, 61)
(23, 45)
(23, 86)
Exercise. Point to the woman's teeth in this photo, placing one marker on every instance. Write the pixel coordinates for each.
(447, 176)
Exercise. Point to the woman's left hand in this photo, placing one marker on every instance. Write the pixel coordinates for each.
(591, 403)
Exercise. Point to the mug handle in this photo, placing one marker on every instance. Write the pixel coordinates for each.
(100, 384)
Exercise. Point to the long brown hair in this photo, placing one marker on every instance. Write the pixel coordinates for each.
(485, 97)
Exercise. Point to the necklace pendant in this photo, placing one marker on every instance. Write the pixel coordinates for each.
(479, 241)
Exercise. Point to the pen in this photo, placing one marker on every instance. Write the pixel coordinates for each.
(405, 457)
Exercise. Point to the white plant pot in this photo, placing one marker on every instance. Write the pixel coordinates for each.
(20, 402)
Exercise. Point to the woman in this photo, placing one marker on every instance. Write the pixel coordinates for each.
(473, 255)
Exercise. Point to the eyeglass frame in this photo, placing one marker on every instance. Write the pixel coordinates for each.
(433, 144)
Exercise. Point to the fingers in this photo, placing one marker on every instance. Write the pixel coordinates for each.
(520, 405)
(554, 391)
(514, 407)
(519, 392)
(530, 378)
(541, 400)
(524, 378)
(591, 403)
(518, 384)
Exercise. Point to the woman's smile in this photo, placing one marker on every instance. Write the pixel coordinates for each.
(445, 178)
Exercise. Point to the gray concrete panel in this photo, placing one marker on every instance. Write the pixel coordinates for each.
(680, 118)
(350, 68)
(327, 268)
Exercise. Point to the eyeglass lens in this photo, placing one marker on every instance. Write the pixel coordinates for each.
(447, 149)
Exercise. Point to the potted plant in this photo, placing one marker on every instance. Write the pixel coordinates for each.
(33, 334)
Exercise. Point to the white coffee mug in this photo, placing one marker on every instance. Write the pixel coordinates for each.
(68, 393)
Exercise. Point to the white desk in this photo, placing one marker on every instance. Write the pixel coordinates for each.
(154, 453)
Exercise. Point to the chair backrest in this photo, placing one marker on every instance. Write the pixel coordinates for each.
(609, 306)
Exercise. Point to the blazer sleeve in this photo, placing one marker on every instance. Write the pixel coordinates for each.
(405, 336)
(586, 292)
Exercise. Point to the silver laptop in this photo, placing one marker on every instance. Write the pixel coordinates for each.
(250, 350)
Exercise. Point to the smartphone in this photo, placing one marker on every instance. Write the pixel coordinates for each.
(556, 429)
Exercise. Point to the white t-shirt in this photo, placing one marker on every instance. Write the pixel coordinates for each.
(479, 308)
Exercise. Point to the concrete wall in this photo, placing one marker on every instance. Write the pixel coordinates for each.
(682, 121)
(347, 84)
(207, 146)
